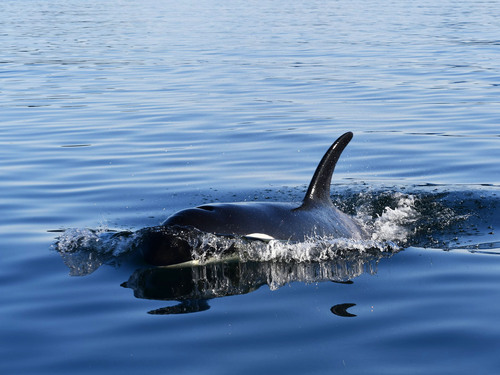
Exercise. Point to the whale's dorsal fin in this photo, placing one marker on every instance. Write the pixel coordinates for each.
(318, 192)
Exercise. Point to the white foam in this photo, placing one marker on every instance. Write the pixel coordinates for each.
(393, 224)
(311, 250)
(85, 250)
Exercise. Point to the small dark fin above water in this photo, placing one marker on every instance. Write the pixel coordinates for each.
(318, 192)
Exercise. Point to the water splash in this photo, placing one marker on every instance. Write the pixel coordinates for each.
(393, 224)
(444, 219)
(85, 250)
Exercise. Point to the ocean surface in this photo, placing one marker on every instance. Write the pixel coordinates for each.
(116, 114)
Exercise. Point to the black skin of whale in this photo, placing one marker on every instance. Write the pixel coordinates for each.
(315, 217)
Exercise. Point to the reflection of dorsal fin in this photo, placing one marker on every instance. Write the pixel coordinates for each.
(319, 188)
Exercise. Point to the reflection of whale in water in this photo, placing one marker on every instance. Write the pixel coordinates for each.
(315, 217)
(193, 286)
(341, 310)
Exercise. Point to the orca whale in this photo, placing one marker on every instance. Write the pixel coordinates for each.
(315, 217)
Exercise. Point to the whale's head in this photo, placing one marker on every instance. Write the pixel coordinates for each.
(164, 246)
(219, 218)
(198, 217)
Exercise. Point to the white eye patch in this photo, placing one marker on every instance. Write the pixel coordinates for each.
(259, 236)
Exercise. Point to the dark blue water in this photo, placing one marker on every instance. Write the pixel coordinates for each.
(115, 114)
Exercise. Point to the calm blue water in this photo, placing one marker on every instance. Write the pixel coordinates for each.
(115, 114)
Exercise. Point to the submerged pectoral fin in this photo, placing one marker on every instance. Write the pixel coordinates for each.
(318, 192)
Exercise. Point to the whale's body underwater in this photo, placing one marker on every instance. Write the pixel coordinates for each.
(315, 217)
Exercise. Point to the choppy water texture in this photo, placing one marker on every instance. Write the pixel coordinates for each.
(116, 114)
